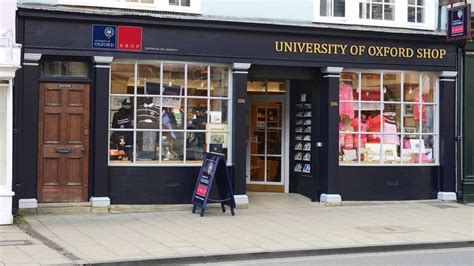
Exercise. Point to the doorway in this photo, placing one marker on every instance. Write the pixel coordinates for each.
(63, 139)
(266, 155)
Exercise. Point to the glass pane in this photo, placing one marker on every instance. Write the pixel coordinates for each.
(389, 12)
(276, 87)
(420, 2)
(274, 141)
(64, 69)
(411, 14)
(323, 8)
(173, 79)
(218, 112)
(219, 142)
(122, 78)
(348, 143)
(411, 2)
(256, 87)
(428, 153)
(428, 117)
(377, 11)
(174, 2)
(196, 114)
(410, 123)
(411, 148)
(121, 112)
(339, 8)
(257, 141)
(428, 83)
(392, 87)
(370, 87)
(391, 149)
(197, 80)
(219, 82)
(185, 2)
(274, 169)
(195, 146)
(392, 117)
(148, 79)
(371, 153)
(411, 84)
(420, 15)
(148, 146)
(172, 144)
(148, 112)
(121, 146)
(257, 168)
(274, 116)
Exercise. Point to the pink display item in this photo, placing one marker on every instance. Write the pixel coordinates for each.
(345, 94)
(416, 108)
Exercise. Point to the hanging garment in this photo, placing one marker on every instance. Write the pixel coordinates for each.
(345, 94)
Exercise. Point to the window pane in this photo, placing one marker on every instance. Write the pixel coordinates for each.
(377, 12)
(428, 118)
(185, 2)
(389, 12)
(174, 2)
(392, 118)
(410, 87)
(148, 79)
(428, 153)
(219, 142)
(428, 83)
(148, 146)
(392, 87)
(276, 87)
(197, 114)
(339, 8)
(64, 69)
(391, 150)
(420, 15)
(411, 14)
(410, 123)
(347, 89)
(148, 112)
(348, 143)
(411, 2)
(173, 79)
(121, 112)
(274, 169)
(197, 80)
(420, 2)
(256, 87)
(121, 146)
(172, 144)
(218, 112)
(123, 81)
(411, 148)
(370, 87)
(257, 171)
(195, 146)
(371, 153)
(219, 81)
(274, 141)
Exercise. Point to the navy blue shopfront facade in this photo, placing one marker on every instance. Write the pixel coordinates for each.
(310, 57)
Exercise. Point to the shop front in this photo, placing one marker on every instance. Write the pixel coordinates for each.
(121, 108)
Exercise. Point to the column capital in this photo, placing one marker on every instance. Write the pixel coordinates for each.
(448, 76)
(332, 70)
(31, 59)
(241, 68)
(103, 61)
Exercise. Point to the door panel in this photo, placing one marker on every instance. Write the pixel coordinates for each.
(63, 154)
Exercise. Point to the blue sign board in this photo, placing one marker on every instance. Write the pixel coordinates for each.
(459, 23)
(104, 37)
(213, 171)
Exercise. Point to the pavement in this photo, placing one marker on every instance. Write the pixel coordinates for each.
(273, 225)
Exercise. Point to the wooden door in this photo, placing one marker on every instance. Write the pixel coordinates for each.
(63, 139)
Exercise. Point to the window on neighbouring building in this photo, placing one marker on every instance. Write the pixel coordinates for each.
(332, 8)
(180, 2)
(377, 9)
(167, 113)
(180, 6)
(388, 118)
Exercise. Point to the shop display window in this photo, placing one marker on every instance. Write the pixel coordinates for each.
(167, 113)
(387, 118)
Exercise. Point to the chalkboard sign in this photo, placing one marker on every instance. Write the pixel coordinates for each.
(213, 171)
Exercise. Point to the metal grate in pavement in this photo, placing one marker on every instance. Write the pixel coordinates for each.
(15, 243)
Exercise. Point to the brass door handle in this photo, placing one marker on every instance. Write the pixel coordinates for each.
(63, 149)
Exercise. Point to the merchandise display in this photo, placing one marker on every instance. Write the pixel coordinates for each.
(303, 136)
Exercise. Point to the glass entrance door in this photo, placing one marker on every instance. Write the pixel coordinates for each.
(266, 136)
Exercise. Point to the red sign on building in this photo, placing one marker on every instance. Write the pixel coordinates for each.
(129, 38)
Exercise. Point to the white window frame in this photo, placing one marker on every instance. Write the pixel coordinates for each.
(401, 134)
(160, 162)
(400, 16)
(158, 5)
